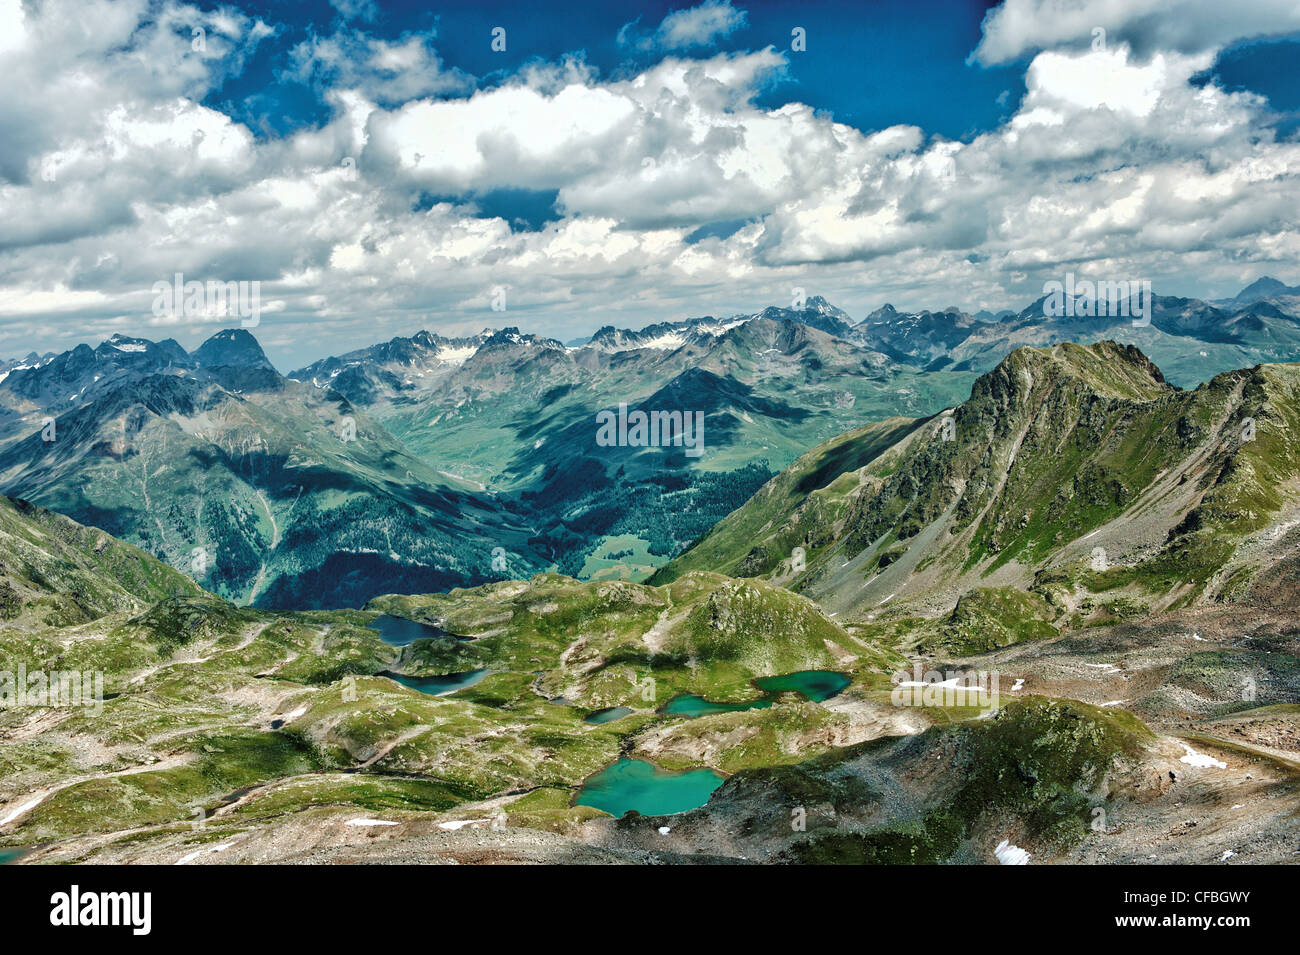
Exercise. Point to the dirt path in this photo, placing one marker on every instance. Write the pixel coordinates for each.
(12, 815)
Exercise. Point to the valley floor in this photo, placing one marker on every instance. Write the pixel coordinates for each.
(1121, 744)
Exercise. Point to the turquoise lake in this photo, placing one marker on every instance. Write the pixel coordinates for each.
(608, 715)
(814, 685)
(438, 685)
(692, 704)
(400, 632)
(635, 784)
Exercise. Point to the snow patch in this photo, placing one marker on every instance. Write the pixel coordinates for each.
(185, 860)
(1007, 854)
(456, 356)
(25, 807)
(669, 341)
(1193, 758)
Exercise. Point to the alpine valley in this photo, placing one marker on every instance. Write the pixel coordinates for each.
(941, 588)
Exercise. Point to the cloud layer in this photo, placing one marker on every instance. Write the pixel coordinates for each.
(369, 224)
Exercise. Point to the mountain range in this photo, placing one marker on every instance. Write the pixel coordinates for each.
(263, 489)
(1190, 339)
(429, 462)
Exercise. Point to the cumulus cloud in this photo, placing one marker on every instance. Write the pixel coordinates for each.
(384, 71)
(1020, 27)
(368, 224)
(688, 29)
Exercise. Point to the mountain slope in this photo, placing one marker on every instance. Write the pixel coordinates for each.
(264, 489)
(281, 730)
(794, 509)
(55, 572)
(1073, 471)
(519, 417)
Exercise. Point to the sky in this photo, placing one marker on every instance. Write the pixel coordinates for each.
(382, 167)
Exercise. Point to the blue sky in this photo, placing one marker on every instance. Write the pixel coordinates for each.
(379, 167)
(870, 64)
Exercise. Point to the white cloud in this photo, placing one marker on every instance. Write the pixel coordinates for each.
(382, 70)
(688, 29)
(1019, 27)
(509, 136)
(1112, 162)
(366, 10)
(13, 26)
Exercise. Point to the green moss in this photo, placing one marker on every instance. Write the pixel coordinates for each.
(371, 793)
(783, 734)
(1043, 761)
(991, 617)
(178, 621)
(221, 764)
(737, 623)
(549, 808)
(927, 841)
(1039, 761)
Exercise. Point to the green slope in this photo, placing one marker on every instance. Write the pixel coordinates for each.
(55, 572)
(1073, 470)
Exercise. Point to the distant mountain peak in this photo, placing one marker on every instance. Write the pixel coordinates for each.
(125, 343)
(819, 304)
(511, 335)
(1264, 286)
(232, 348)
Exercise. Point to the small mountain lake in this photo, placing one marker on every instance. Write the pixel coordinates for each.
(692, 704)
(437, 685)
(635, 784)
(400, 632)
(814, 685)
(607, 715)
(12, 854)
